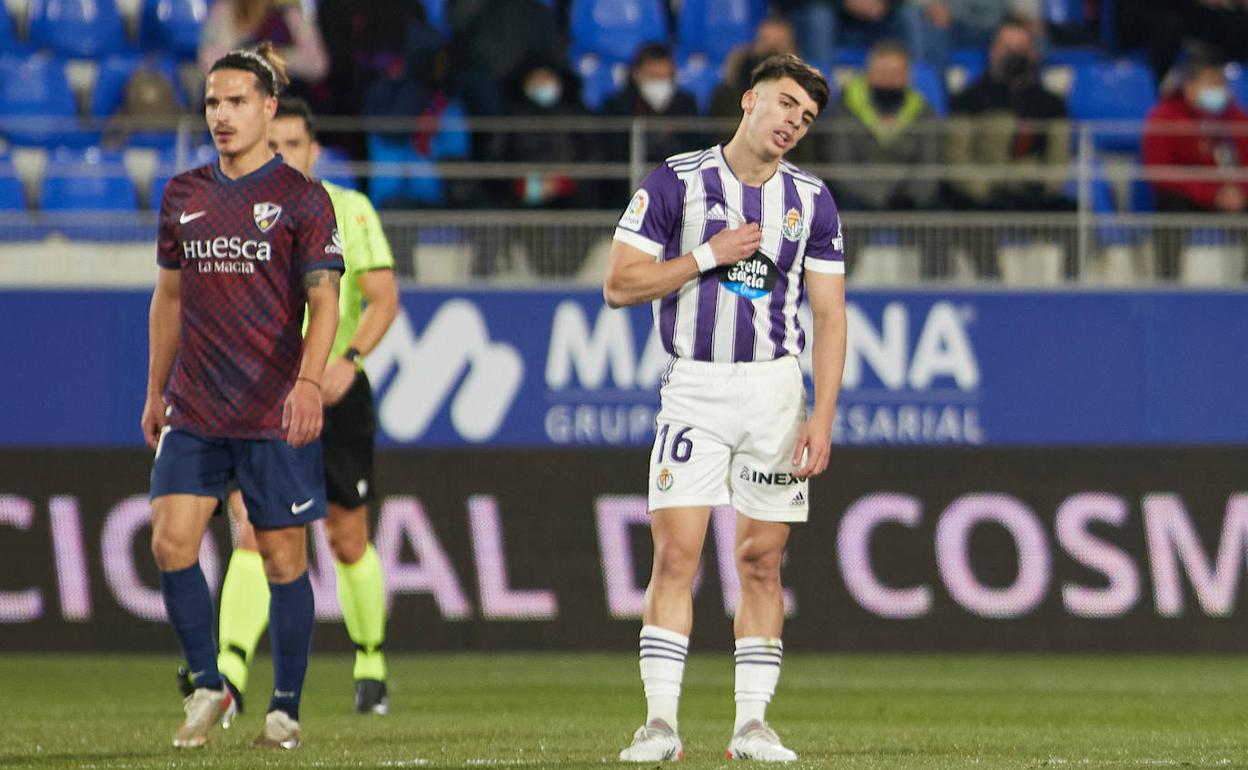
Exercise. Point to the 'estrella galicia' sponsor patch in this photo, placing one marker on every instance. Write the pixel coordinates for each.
(751, 278)
(266, 215)
(635, 214)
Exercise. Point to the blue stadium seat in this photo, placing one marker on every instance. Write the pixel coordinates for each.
(332, 166)
(37, 105)
(615, 29)
(927, 81)
(1072, 57)
(699, 77)
(172, 25)
(87, 29)
(110, 92)
(715, 27)
(1121, 90)
(1237, 81)
(435, 12)
(8, 34)
(599, 79)
(88, 180)
(1063, 13)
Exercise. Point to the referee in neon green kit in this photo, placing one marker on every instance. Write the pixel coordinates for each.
(368, 303)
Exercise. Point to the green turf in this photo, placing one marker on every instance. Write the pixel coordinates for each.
(576, 711)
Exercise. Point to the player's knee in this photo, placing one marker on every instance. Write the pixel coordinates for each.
(760, 567)
(348, 536)
(171, 554)
(674, 562)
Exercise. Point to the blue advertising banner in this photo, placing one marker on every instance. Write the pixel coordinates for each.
(544, 368)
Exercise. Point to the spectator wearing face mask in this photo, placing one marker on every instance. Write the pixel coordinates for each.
(652, 93)
(880, 119)
(1198, 126)
(542, 88)
(1008, 118)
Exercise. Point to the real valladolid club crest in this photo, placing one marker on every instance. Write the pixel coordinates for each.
(266, 215)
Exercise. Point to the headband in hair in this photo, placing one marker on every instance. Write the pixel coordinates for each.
(263, 62)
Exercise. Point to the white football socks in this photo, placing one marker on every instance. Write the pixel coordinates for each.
(758, 669)
(662, 658)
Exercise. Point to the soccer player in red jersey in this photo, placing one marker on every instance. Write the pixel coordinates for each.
(234, 387)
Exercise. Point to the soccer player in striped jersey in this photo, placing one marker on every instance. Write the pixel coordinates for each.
(234, 387)
(726, 243)
(369, 301)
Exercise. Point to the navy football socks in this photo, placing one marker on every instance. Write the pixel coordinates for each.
(189, 607)
(291, 614)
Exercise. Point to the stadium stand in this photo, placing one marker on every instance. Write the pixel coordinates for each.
(172, 26)
(714, 27)
(1121, 90)
(86, 29)
(37, 105)
(614, 29)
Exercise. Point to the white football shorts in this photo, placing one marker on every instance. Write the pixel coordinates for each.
(726, 433)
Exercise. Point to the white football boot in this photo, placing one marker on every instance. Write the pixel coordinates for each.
(755, 740)
(655, 741)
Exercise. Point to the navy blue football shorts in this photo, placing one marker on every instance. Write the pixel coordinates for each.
(282, 486)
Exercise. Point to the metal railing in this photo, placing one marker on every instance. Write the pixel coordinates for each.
(1098, 238)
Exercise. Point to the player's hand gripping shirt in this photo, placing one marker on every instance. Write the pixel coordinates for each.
(243, 247)
(746, 311)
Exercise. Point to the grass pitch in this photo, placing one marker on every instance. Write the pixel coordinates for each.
(577, 711)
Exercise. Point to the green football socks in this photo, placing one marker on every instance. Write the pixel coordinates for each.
(362, 596)
(244, 614)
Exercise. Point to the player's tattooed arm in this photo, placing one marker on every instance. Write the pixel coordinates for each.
(328, 278)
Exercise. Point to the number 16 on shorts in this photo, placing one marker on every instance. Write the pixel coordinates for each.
(672, 445)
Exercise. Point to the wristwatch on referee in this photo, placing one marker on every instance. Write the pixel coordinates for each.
(354, 356)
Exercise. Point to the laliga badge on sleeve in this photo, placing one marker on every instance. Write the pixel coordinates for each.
(635, 214)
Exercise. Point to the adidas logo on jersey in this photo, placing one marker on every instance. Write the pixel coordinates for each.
(798, 499)
(717, 213)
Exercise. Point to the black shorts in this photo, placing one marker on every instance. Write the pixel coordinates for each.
(347, 443)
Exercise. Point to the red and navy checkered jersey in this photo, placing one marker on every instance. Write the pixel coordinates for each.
(242, 246)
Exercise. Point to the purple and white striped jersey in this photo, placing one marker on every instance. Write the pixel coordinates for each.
(747, 311)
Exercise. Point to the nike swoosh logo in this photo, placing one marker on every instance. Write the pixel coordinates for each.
(190, 217)
(301, 507)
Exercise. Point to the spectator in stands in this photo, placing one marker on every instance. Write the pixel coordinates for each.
(419, 89)
(651, 92)
(1198, 126)
(947, 24)
(1161, 27)
(500, 35)
(233, 24)
(880, 119)
(1008, 118)
(823, 26)
(543, 88)
(366, 41)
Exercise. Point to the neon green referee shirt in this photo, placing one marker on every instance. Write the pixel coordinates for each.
(364, 248)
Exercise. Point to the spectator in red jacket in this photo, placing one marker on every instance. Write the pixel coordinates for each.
(1198, 126)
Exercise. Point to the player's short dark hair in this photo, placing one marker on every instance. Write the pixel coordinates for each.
(295, 107)
(781, 66)
(262, 61)
(650, 52)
